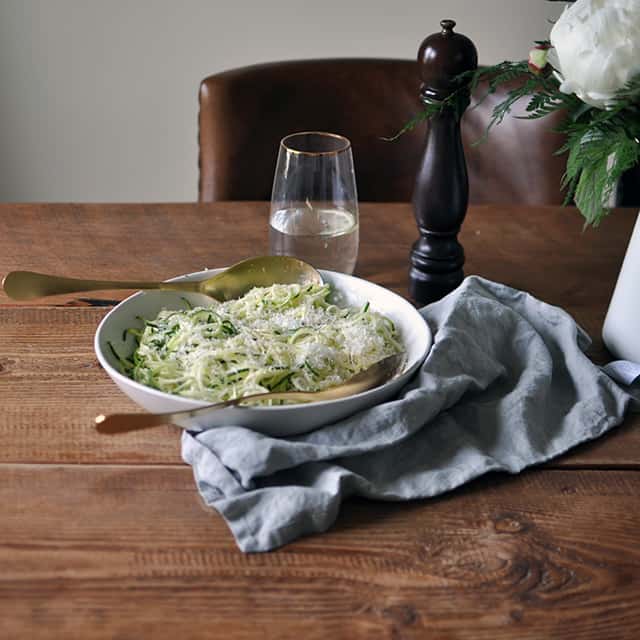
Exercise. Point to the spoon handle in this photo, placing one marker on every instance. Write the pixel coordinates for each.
(25, 285)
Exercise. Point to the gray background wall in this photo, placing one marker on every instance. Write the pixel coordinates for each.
(98, 98)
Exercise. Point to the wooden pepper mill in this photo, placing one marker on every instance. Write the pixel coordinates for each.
(441, 192)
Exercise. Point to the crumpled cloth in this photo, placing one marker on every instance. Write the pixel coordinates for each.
(506, 385)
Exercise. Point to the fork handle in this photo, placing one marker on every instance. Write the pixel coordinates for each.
(123, 422)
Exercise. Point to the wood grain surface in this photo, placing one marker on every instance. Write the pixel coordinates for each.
(105, 537)
(114, 552)
(53, 387)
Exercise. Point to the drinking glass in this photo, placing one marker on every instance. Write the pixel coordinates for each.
(314, 204)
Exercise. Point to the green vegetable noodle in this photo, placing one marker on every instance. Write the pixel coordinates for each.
(277, 338)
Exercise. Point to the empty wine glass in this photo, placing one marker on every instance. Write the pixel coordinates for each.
(314, 204)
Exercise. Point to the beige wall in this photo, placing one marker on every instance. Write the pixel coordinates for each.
(98, 98)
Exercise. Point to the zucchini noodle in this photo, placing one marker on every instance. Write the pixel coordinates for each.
(277, 338)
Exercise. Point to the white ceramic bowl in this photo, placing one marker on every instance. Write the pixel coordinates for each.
(283, 420)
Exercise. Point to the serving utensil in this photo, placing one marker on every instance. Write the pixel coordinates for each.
(231, 283)
(375, 375)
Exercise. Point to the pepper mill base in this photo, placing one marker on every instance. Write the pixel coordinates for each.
(436, 269)
(429, 287)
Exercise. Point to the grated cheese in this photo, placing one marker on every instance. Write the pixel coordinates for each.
(278, 338)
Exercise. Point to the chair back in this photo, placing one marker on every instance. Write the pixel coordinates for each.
(244, 113)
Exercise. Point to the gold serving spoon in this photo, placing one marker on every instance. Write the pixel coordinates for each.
(231, 283)
(374, 376)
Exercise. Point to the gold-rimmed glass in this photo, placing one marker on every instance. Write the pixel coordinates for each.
(314, 202)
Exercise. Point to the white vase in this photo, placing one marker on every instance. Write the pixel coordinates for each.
(621, 330)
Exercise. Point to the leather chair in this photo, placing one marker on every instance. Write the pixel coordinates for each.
(244, 113)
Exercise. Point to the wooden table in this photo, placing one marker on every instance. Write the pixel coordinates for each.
(106, 537)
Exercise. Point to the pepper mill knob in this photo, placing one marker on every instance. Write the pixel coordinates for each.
(441, 192)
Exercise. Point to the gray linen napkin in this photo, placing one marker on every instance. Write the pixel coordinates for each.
(506, 385)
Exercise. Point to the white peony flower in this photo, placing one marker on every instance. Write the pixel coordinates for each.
(597, 44)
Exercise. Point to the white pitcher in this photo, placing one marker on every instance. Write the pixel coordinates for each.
(621, 330)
